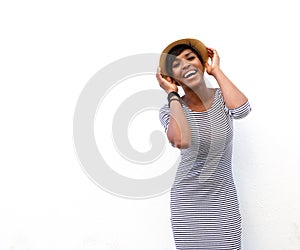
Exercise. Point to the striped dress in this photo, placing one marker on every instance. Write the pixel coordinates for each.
(204, 204)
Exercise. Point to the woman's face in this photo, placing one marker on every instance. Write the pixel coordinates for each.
(187, 69)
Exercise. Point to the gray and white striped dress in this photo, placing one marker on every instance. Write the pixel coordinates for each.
(204, 204)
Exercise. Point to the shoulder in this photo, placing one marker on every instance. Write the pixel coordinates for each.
(218, 91)
(164, 110)
(219, 94)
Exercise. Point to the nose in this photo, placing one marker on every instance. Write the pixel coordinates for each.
(185, 65)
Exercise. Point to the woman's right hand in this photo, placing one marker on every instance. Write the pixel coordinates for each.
(168, 84)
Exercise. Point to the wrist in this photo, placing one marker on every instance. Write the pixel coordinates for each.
(173, 94)
(174, 99)
(170, 91)
(216, 72)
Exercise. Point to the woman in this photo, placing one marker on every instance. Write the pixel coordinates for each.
(204, 205)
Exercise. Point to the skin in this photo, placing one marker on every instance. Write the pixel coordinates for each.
(197, 96)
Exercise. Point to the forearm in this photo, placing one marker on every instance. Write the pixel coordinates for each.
(178, 129)
(233, 97)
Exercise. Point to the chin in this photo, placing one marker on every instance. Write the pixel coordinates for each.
(193, 83)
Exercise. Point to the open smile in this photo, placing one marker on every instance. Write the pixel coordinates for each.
(189, 74)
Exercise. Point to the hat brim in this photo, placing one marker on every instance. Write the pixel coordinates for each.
(194, 43)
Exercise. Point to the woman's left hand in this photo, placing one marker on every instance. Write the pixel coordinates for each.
(214, 61)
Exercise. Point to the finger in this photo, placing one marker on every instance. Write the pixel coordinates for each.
(210, 53)
(169, 79)
(158, 77)
(158, 74)
(158, 70)
(210, 50)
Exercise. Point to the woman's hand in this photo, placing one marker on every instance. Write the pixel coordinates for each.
(215, 62)
(167, 84)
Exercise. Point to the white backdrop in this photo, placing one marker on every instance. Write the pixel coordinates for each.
(50, 49)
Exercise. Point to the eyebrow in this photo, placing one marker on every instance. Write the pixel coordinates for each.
(187, 54)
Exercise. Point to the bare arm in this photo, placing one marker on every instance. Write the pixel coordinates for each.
(233, 97)
(178, 131)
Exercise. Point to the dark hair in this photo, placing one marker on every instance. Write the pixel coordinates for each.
(174, 52)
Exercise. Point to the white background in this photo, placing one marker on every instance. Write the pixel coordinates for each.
(50, 49)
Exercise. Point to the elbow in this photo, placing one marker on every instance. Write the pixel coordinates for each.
(181, 144)
(179, 140)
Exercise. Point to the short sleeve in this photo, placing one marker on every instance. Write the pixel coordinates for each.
(164, 116)
(240, 112)
(236, 113)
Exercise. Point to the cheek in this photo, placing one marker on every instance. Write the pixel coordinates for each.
(176, 73)
(176, 76)
(200, 66)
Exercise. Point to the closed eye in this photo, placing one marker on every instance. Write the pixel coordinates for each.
(175, 64)
(189, 57)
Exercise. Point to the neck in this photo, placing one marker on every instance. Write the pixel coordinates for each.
(198, 95)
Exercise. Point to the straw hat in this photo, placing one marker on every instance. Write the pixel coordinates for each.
(194, 43)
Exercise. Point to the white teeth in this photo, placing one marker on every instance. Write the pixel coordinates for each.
(189, 73)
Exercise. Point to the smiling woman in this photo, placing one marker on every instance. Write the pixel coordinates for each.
(204, 204)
